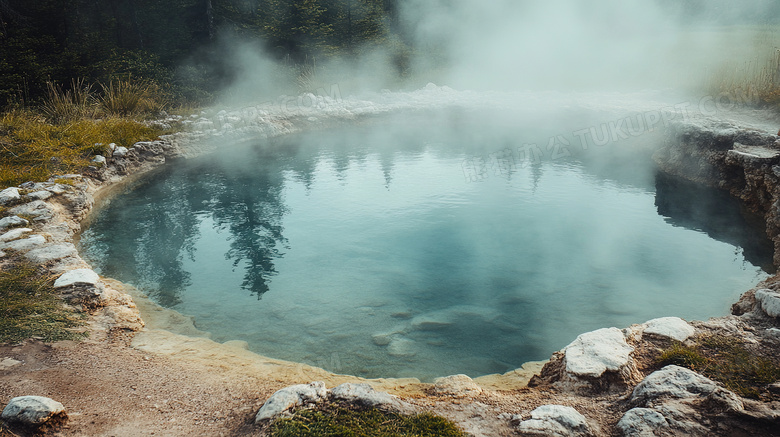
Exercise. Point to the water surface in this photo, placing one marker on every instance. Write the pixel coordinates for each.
(375, 250)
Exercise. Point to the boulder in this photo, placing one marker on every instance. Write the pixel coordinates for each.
(675, 382)
(670, 327)
(769, 301)
(13, 234)
(555, 420)
(77, 277)
(641, 422)
(7, 222)
(365, 396)
(593, 353)
(289, 397)
(9, 195)
(25, 244)
(33, 412)
(38, 209)
(456, 385)
(39, 195)
(119, 152)
(52, 252)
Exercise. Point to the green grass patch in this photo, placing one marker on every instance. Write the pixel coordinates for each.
(341, 421)
(29, 307)
(33, 149)
(727, 360)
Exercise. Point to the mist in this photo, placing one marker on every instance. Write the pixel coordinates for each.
(505, 45)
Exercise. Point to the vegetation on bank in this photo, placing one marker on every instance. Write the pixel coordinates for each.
(71, 126)
(727, 360)
(345, 421)
(30, 308)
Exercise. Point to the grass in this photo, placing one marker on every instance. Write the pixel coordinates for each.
(29, 307)
(727, 360)
(33, 149)
(338, 420)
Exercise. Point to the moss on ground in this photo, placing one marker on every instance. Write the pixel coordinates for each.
(727, 360)
(343, 421)
(29, 307)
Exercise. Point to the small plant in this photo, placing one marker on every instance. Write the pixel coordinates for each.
(62, 106)
(30, 308)
(131, 98)
(336, 420)
(727, 360)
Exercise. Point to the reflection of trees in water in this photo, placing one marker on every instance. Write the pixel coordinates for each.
(144, 240)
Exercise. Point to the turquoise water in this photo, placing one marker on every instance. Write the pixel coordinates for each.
(375, 251)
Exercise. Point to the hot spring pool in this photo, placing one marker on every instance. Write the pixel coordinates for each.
(376, 252)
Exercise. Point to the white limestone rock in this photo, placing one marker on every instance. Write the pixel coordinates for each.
(555, 420)
(38, 209)
(292, 396)
(769, 301)
(25, 244)
(99, 159)
(13, 234)
(32, 411)
(77, 277)
(39, 195)
(9, 195)
(670, 327)
(456, 385)
(7, 222)
(119, 152)
(674, 382)
(8, 362)
(593, 353)
(43, 255)
(365, 395)
(642, 422)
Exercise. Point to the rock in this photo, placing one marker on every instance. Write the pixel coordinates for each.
(289, 397)
(14, 234)
(769, 302)
(77, 277)
(593, 353)
(456, 385)
(7, 222)
(38, 209)
(119, 152)
(25, 244)
(8, 362)
(670, 327)
(9, 195)
(674, 382)
(365, 395)
(33, 411)
(401, 347)
(99, 159)
(58, 188)
(39, 195)
(53, 252)
(555, 420)
(382, 339)
(641, 422)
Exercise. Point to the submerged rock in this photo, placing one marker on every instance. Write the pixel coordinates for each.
(292, 396)
(555, 420)
(33, 411)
